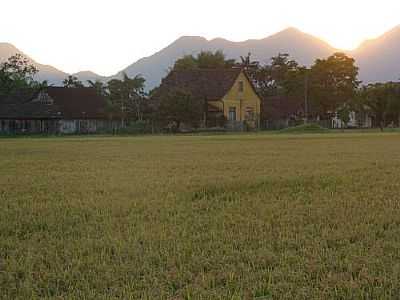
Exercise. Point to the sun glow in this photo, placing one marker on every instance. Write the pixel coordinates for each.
(106, 36)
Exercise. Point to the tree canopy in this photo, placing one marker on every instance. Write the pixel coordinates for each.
(204, 60)
(179, 106)
(127, 96)
(333, 82)
(382, 100)
(72, 82)
(282, 76)
(17, 73)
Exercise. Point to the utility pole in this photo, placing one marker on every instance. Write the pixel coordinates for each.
(122, 114)
(306, 97)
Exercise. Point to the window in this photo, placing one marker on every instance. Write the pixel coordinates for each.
(232, 113)
(241, 86)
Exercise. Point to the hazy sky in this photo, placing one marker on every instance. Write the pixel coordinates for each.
(106, 36)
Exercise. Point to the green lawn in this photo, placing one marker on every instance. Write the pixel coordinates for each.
(256, 216)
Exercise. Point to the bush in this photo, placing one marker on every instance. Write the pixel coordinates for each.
(139, 127)
(305, 128)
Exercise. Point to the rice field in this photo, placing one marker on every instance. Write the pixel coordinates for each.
(246, 216)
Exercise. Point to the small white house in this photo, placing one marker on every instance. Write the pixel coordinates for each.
(356, 120)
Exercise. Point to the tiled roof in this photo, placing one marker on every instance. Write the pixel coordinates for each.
(69, 103)
(205, 84)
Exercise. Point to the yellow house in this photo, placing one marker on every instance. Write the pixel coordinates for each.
(228, 94)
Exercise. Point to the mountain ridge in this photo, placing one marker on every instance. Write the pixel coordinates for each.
(46, 72)
(377, 58)
(303, 47)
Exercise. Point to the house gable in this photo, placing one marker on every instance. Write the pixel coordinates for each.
(243, 99)
(43, 98)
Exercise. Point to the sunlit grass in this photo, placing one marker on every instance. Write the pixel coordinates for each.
(201, 217)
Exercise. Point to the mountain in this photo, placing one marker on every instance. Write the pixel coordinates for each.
(84, 76)
(303, 47)
(49, 73)
(379, 59)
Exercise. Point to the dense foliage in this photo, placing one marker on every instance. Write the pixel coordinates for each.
(328, 83)
(179, 106)
(330, 86)
(72, 82)
(17, 73)
(126, 96)
(382, 100)
(204, 60)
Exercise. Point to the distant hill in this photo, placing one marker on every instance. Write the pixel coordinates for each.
(84, 76)
(303, 47)
(378, 59)
(49, 73)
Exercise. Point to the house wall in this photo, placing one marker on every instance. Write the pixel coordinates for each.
(55, 126)
(84, 126)
(68, 126)
(28, 126)
(247, 103)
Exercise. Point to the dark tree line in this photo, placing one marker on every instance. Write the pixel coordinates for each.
(330, 85)
(382, 100)
(126, 98)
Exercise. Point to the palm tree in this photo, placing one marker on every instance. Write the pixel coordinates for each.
(99, 86)
(72, 82)
(247, 64)
(136, 94)
(127, 95)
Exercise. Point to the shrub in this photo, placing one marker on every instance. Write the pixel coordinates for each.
(305, 128)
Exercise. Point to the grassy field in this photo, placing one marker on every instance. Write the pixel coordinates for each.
(201, 217)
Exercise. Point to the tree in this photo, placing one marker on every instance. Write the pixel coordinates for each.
(344, 114)
(179, 106)
(283, 76)
(333, 82)
(72, 82)
(383, 101)
(204, 60)
(99, 86)
(281, 66)
(127, 96)
(136, 94)
(247, 63)
(216, 60)
(17, 73)
(188, 62)
(249, 66)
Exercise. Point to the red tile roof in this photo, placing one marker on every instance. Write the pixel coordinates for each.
(207, 84)
(69, 103)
